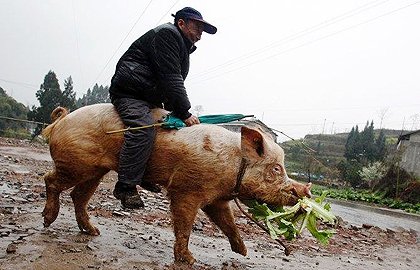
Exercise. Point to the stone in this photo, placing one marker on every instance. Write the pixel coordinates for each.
(91, 247)
(11, 248)
(367, 226)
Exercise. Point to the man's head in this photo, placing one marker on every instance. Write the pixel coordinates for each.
(192, 24)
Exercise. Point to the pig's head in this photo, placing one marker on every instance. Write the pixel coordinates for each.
(265, 178)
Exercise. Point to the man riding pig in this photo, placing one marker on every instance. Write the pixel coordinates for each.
(201, 166)
(151, 73)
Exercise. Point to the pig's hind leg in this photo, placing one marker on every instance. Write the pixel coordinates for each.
(81, 195)
(221, 214)
(54, 185)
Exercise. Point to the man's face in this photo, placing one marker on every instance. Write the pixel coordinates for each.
(191, 29)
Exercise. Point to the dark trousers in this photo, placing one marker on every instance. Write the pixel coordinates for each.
(138, 145)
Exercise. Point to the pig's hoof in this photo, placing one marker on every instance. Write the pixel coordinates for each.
(90, 230)
(49, 218)
(95, 231)
(185, 258)
(239, 248)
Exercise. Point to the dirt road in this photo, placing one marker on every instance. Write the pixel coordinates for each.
(143, 239)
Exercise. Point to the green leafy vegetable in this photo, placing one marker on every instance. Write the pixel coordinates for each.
(290, 221)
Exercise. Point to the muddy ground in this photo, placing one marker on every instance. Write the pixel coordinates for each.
(143, 239)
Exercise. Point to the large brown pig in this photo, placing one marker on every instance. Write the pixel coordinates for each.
(197, 165)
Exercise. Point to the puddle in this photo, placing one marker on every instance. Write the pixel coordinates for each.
(19, 169)
(5, 189)
(25, 152)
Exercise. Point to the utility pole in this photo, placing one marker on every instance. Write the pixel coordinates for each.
(323, 127)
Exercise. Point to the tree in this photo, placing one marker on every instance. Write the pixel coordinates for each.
(380, 149)
(69, 96)
(361, 150)
(49, 96)
(368, 142)
(98, 94)
(349, 171)
(354, 148)
(9, 107)
(198, 110)
(373, 172)
(382, 115)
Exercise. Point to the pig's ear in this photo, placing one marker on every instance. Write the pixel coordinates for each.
(252, 143)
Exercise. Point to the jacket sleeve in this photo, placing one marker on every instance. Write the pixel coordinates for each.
(166, 60)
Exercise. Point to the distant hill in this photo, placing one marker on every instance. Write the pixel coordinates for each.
(328, 150)
(11, 109)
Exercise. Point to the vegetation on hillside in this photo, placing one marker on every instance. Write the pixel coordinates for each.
(10, 108)
(360, 160)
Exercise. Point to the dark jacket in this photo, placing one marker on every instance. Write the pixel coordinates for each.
(154, 69)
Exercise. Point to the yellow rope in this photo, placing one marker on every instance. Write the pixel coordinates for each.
(134, 128)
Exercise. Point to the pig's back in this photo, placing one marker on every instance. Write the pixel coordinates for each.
(194, 155)
(80, 138)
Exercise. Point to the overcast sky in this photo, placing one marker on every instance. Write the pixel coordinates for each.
(300, 66)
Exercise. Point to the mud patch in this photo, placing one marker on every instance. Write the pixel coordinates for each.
(143, 239)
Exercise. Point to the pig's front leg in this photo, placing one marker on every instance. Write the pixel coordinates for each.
(221, 214)
(184, 209)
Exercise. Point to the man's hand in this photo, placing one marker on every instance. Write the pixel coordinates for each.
(192, 120)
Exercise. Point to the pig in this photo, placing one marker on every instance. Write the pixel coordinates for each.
(197, 165)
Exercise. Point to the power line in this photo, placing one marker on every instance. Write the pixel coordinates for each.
(27, 85)
(109, 78)
(292, 37)
(336, 108)
(169, 10)
(112, 56)
(306, 43)
(77, 42)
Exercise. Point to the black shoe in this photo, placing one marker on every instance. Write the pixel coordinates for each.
(128, 196)
(150, 187)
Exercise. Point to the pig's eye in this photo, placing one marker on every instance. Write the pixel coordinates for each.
(277, 169)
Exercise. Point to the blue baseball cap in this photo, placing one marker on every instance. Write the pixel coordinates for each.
(193, 14)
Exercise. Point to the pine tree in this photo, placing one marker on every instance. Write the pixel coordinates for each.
(349, 148)
(361, 149)
(69, 96)
(98, 94)
(369, 143)
(380, 150)
(49, 96)
(357, 144)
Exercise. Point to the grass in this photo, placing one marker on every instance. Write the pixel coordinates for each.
(366, 196)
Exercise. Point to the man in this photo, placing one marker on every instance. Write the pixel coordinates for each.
(151, 73)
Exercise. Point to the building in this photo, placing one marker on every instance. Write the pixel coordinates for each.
(409, 145)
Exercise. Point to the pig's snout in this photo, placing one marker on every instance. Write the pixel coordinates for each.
(300, 190)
